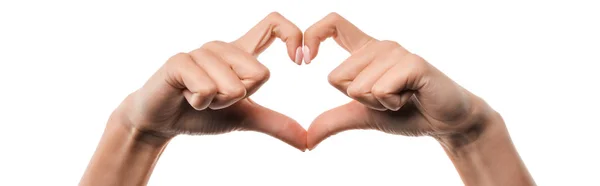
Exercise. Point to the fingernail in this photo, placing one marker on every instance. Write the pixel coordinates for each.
(299, 55)
(306, 51)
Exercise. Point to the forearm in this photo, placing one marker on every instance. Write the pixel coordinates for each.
(123, 157)
(486, 155)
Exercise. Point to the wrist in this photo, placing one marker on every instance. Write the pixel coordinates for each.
(124, 155)
(481, 123)
(120, 124)
(121, 119)
(483, 153)
(489, 128)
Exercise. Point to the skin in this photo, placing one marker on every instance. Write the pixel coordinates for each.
(398, 92)
(206, 91)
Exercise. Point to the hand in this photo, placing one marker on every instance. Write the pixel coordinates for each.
(394, 91)
(206, 91)
(398, 92)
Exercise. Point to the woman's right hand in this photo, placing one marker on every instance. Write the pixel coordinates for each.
(206, 90)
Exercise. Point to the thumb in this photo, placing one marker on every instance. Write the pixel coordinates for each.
(282, 127)
(353, 115)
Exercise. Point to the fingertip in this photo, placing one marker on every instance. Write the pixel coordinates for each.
(299, 55)
(302, 145)
(294, 134)
(312, 146)
(307, 54)
(303, 149)
(293, 38)
(312, 40)
(314, 134)
(310, 50)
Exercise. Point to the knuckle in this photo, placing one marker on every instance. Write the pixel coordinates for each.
(357, 91)
(178, 58)
(296, 33)
(418, 58)
(234, 92)
(202, 94)
(261, 74)
(390, 44)
(334, 16)
(180, 55)
(334, 78)
(197, 104)
(212, 44)
(198, 53)
(416, 61)
(208, 90)
(379, 91)
(274, 15)
(398, 52)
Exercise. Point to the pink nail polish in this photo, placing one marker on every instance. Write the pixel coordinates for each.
(306, 51)
(299, 55)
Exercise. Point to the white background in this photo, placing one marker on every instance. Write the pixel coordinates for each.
(64, 66)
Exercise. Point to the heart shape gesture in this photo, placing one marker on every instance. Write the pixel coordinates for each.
(206, 90)
(395, 91)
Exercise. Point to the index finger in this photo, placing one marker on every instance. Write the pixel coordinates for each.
(273, 26)
(343, 32)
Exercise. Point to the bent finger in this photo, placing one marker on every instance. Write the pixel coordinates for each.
(343, 32)
(262, 35)
(249, 70)
(230, 88)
